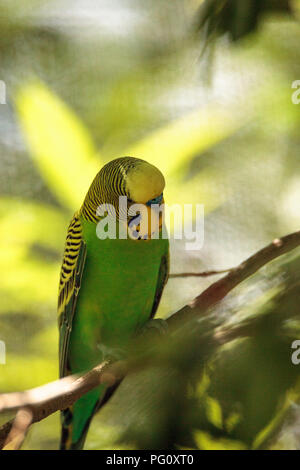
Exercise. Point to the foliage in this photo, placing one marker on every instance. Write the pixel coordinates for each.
(238, 18)
(225, 133)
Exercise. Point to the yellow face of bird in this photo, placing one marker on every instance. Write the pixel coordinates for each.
(144, 187)
(144, 182)
(141, 183)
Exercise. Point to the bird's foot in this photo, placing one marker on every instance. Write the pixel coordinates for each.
(157, 325)
(112, 354)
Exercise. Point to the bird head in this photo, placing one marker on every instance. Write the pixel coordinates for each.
(140, 185)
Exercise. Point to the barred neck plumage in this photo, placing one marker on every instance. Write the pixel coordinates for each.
(107, 186)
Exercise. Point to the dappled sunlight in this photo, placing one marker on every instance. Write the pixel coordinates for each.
(214, 113)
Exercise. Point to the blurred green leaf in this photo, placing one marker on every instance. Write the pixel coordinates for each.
(45, 342)
(29, 278)
(22, 373)
(207, 442)
(172, 147)
(59, 143)
(214, 412)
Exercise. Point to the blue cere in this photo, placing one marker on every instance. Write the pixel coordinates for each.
(156, 200)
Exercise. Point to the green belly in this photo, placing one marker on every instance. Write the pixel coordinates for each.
(116, 295)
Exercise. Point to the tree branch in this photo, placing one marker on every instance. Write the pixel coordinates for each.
(219, 289)
(19, 429)
(42, 401)
(47, 399)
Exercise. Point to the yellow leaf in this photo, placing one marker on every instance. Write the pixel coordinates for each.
(29, 279)
(232, 420)
(59, 143)
(214, 412)
(206, 442)
(177, 143)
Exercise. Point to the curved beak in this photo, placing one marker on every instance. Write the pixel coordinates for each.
(147, 224)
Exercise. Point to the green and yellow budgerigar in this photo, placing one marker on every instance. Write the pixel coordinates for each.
(109, 287)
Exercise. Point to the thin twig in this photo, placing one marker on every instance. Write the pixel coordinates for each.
(19, 429)
(58, 395)
(201, 274)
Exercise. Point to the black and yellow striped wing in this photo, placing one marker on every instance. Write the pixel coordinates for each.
(69, 286)
(162, 279)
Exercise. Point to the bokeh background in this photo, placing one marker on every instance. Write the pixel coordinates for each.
(204, 92)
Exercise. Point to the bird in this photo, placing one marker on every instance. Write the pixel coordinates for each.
(109, 287)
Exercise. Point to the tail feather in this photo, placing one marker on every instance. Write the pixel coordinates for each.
(66, 441)
(76, 420)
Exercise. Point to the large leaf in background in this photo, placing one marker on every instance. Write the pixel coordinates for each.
(59, 143)
(200, 189)
(33, 237)
(173, 146)
(18, 377)
(26, 222)
(66, 158)
(29, 286)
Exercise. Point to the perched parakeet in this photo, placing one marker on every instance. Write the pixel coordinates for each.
(109, 287)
